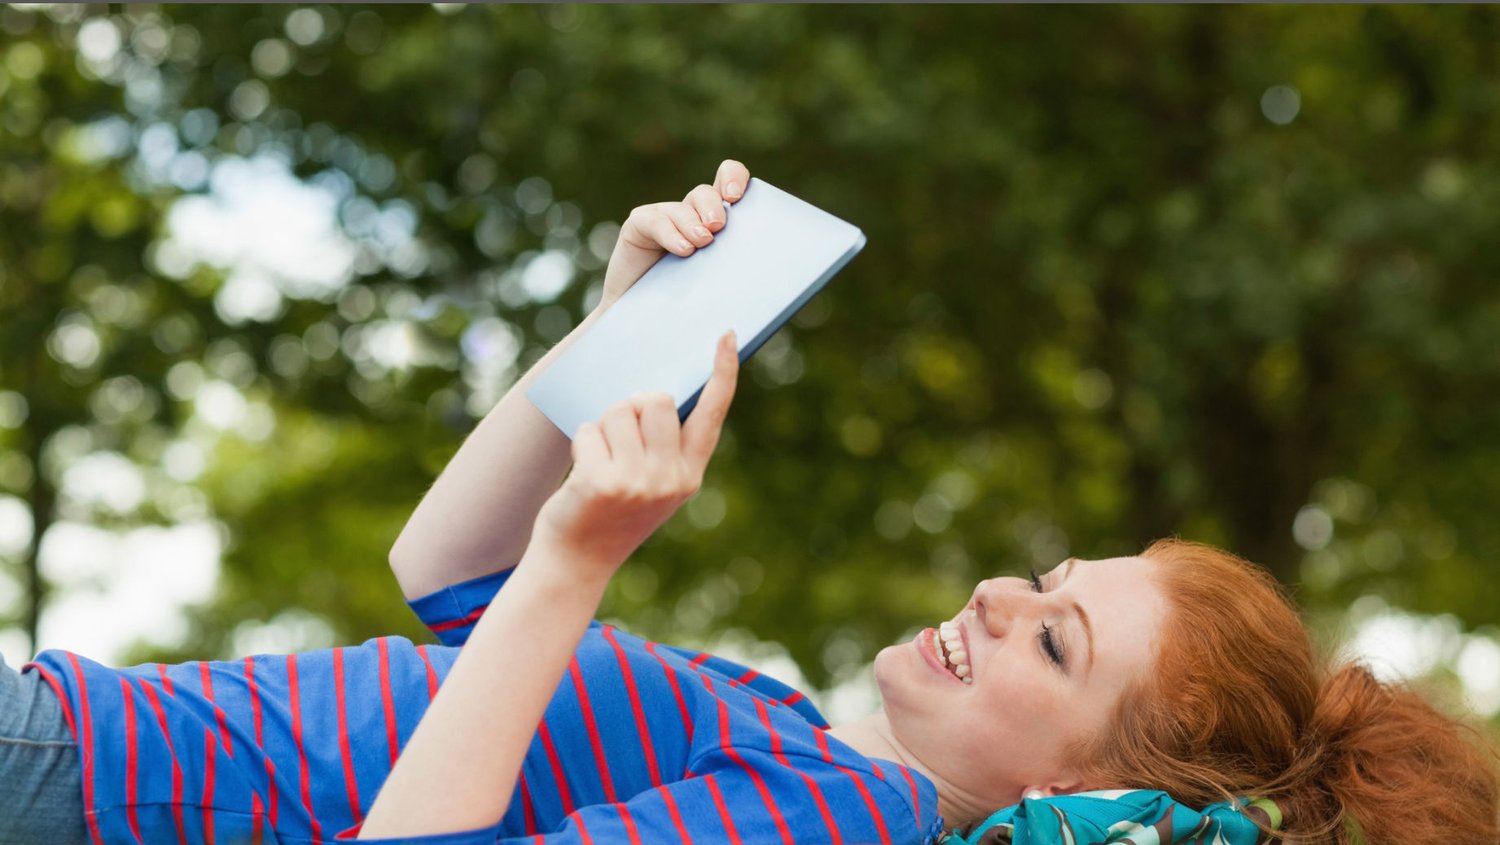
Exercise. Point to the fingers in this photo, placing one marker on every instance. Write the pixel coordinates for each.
(660, 430)
(700, 434)
(651, 228)
(589, 447)
(635, 450)
(732, 179)
(672, 226)
(706, 200)
(622, 432)
(691, 226)
(682, 228)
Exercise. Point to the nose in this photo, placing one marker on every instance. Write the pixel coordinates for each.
(999, 602)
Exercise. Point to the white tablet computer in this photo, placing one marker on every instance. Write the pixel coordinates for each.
(772, 255)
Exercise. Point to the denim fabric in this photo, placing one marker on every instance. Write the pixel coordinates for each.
(41, 801)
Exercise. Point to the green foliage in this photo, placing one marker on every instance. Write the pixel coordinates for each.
(1106, 297)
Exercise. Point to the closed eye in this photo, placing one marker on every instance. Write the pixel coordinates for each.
(1048, 641)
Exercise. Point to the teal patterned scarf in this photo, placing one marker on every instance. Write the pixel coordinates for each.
(1141, 817)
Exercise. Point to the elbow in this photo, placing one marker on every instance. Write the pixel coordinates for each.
(404, 566)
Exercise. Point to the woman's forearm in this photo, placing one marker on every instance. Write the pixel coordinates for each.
(477, 518)
(631, 472)
(461, 765)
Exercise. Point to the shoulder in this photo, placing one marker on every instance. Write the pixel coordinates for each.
(806, 770)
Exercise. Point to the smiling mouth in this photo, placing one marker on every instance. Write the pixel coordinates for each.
(948, 642)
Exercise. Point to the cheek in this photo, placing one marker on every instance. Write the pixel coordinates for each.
(1021, 711)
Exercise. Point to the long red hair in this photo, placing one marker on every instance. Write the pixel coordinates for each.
(1239, 705)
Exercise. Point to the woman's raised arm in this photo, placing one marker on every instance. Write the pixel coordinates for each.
(632, 470)
(477, 518)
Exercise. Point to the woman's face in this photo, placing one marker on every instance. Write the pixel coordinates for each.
(1045, 668)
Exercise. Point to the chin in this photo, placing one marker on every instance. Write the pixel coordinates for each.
(882, 668)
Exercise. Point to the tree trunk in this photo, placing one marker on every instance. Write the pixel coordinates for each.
(42, 499)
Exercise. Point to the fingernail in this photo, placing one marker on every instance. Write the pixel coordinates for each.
(684, 245)
(700, 232)
(732, 190)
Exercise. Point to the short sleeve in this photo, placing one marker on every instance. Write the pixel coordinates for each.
(451, 612)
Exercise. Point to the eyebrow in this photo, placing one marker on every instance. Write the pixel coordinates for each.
(1083, 616)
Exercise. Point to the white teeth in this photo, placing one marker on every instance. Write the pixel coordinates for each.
(947, 641)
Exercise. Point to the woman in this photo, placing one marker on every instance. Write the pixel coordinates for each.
(1182, 669)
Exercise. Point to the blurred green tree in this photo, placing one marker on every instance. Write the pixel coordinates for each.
(1132, 272)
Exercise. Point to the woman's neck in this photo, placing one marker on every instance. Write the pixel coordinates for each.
(872, 736)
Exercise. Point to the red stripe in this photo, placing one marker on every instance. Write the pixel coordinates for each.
(351, 785)
(526, 810)
(859, 783)
(750, 675)
(257, 818)
(273, 799)
(687, 721)
(583, 832)
(700, 658)
(166, 680)
(208, 787)
(733, 754)
(916, 801)
(812, 785)
(593, 728)
(161, 720)
(635, 835)
(84, 754)
(635, 706)
(62, 696)
(823, 746)
(713, 791)
(557, 772)
(795, 697)
(672, 810)
(432, 678)
(86, 749)
(305, 775)
(260, 741)
(208, 692)
(387, 701)
(470, 619)
(132, 754)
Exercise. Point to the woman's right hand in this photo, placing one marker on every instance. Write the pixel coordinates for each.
(632, 470)
(680, 228)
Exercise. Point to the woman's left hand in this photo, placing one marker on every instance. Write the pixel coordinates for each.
(681, 228)
(633, 469)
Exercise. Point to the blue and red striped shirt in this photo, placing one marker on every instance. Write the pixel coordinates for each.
(641, 743)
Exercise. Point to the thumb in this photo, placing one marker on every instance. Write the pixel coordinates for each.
(700, 434)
